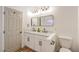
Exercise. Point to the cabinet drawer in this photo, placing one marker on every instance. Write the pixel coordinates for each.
(41, 37)
(26, 35)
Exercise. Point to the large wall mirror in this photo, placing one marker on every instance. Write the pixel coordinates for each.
(35, 21)
(43, 21)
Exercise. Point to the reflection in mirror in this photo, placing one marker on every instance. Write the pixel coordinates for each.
(35, 21)
(43, 21)
(47, 20)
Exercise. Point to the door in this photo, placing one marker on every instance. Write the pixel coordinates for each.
(12, 29)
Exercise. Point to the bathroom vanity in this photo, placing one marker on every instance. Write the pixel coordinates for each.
(41, 42)
(40, 38)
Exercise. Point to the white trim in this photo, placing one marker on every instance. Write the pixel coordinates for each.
(65, 37)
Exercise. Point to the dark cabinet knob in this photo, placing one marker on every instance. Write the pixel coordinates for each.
(40, 43)
(20, 32)
(51, 43)
(4, 32)
(28, 39)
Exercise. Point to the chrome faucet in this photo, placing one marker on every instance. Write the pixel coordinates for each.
(33, 29)
(44, 30)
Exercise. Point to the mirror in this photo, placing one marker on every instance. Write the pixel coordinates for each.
(43, 21)
(35, 21)
(47, 20)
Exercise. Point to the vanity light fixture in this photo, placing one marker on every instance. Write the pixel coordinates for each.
(40, 10)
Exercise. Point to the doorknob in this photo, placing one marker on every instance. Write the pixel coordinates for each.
(21, 32)
(28, 39)
(4, 32)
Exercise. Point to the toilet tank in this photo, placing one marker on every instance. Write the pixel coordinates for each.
(65, 42)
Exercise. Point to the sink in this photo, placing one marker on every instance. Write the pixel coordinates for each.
(39, 33)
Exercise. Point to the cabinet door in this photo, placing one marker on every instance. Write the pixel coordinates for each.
(43, 47)
(37, 45)
(48, 46)
(31, 42)
(27, 40)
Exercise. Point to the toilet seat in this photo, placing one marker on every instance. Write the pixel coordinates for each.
(64, 50)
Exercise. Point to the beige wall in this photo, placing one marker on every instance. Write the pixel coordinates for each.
(66, 23)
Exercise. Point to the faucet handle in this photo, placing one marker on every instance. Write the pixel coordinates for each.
(33, 29)
(44, 30)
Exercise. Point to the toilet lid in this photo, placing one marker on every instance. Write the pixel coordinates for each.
(64, 50)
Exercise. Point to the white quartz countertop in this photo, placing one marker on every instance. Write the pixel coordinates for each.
(40, 33)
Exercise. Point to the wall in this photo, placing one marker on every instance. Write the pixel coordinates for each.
(66, 24)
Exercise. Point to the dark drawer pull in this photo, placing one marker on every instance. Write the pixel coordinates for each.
(40, 43)
(20, 32)
(4, 32)
(28, 39)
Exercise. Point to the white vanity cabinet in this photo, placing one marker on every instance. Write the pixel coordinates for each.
(39, 43)
(29, 40)
(48, 46)
(44, 45)
(26, 39)
(32, 42)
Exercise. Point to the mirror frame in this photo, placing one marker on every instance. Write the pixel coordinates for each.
(39, 20)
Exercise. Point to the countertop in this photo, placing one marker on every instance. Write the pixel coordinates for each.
(48, 35)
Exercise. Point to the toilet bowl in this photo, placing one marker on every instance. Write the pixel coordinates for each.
(65, 43)
(64, 50)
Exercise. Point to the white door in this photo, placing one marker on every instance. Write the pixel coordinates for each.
(12, 29)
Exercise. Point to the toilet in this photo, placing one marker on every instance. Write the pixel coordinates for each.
(65, 43)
